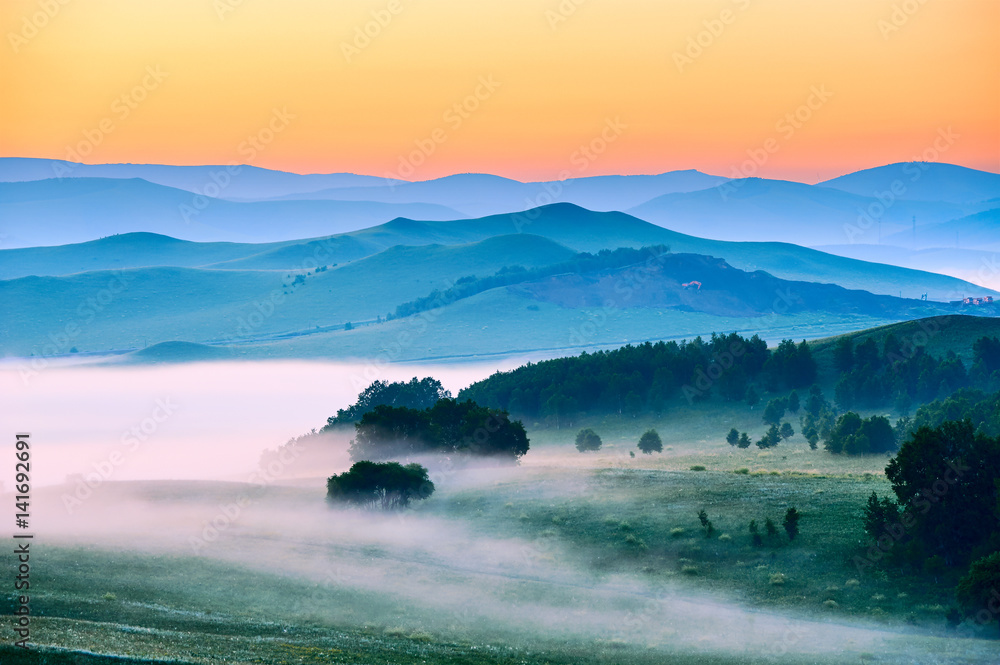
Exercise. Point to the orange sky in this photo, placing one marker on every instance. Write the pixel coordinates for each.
(562, 69)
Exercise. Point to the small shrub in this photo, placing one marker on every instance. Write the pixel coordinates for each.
(420, 636)
(851, 583)
(777, 579)
(109, 597)
(831, 604)
(742, 471)
(697, 467)
(725, 537)
(878, 597)
(676, 532)
(689, 569)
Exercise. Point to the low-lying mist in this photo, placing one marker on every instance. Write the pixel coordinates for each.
(169, 462)
(187, 421)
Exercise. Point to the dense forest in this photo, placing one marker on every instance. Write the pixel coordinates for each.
(903, 374)
(651, 377)
(647, 377)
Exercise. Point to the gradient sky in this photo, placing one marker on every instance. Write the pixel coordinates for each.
(564, 68)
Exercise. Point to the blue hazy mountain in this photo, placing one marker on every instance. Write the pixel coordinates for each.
(921, 181)
(980, 231)
(51, 212)
(480, 194)
(248, 182)
(978, 266)
(759, 209)
(566, 224)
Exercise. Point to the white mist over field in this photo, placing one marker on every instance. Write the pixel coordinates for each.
(185, 421)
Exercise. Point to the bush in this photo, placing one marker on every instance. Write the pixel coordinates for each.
(697, 467)
(587, 440)
(733, 437)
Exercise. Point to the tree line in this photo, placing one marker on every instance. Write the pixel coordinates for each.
(581, 263)
(647, 377)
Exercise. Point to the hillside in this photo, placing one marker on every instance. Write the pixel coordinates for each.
(480, 194)
(980, 231)
(159, 304)
(248, 182)
(53, 212)
(566, 224)
(756, 209)
(921, 181)
(972, 265)
(127, 250)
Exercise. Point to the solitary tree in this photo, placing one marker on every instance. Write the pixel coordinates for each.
(793, 401)
(979, 591)
(774, 411)
(755, 534)
(791, 523)
(385, 485)
(706, 523)
(744, 441)
(786, 431)
(733, 437)
(587, 439)
(650, 442)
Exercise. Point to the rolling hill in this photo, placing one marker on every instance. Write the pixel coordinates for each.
(978, 266)
(248, 182)
(921, 181)
(566, 224)
(980, 232)
(119, 310)
(480, 195)
(52, 212)
(269, 313)
(756, 209)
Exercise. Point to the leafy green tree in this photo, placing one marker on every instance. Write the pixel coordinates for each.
(755, 534)
(816, 402)
(744, 441)
(587, 440)
(733, 437)
(385, 485)
(448, 427)
(946, 479)
(855, 435)
(415, 394)
(650, 442)
(793, 404)
(706, 523)
(843, 354)
(978, 592)
(774, 411)
(791, 522)
(770, 528)
(880, 516)
(786, 431)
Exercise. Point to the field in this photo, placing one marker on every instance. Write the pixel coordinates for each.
(569, 558)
